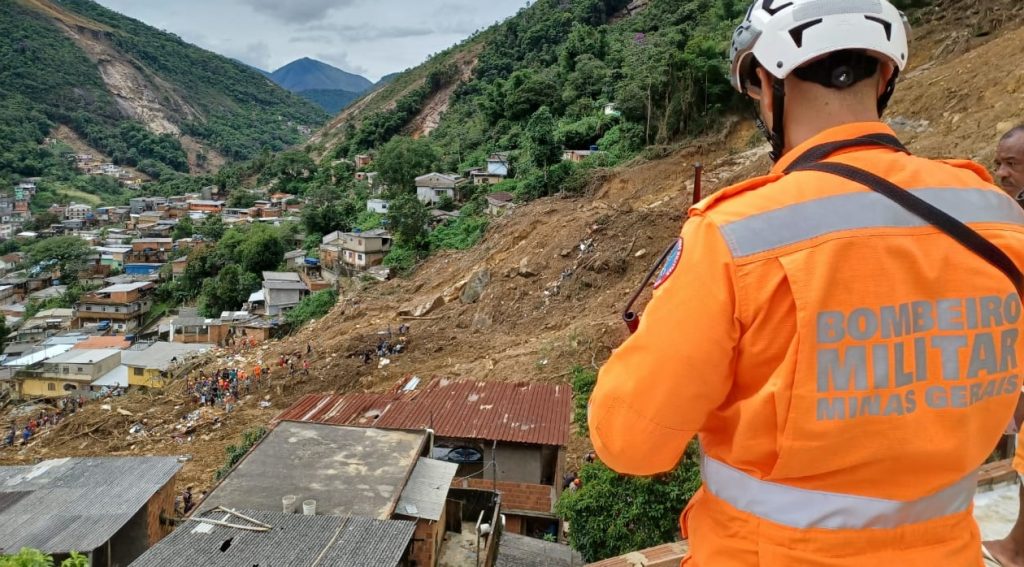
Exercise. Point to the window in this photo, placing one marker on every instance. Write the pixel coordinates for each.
(51, 387)
(79, 369)
(360, 257)
(65, 370)
(88, 307)
(138, 371)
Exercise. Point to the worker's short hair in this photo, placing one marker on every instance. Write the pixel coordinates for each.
(1012, 132)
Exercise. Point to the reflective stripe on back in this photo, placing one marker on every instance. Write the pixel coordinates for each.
(811, 219)
(809, 509)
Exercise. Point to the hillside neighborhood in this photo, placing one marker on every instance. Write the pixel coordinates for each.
(260, 310)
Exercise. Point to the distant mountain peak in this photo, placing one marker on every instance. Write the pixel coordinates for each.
(310, 74)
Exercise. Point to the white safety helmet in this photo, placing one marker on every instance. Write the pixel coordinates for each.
(786, 34)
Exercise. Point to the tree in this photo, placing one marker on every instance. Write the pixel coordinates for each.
(42, 221)
(213, 228)
(330, 209)
(543, 148)
(4, 331)
(407, 219)
(241, 199)
(228, 291)
(68, 253)
(613, 514)
(35, 558)
(402, 160)
(255, 248)
(184, 229)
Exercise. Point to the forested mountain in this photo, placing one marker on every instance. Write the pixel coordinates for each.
(619, 74)
(309, 74)
(143, 97)
(560, 73)
(333, 101)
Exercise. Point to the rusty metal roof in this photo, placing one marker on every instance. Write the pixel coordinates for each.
(533, 413)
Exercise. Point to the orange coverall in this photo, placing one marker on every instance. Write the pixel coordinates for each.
(846, 366)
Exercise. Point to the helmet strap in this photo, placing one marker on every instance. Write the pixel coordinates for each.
(777, 137)
(883, 101)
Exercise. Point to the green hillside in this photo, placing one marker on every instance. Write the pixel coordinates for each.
(331, 100)
(46, 79)
(546, 77)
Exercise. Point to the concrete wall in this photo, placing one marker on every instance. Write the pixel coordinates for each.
(515, 463)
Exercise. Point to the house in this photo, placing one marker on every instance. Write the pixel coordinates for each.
(301, 460)
(363, 160)
(44, 324)
(102, 342)
(77, 211)
(6, 294)
(139, 205)
(281, 277)
(577, 156)
(355, 251)
(206, 206)
(107, 508)
(67, 373)
(509, 436)
(521, 551)
(189, 327)
(379, 206)
(295, 258)
(500, 202)
(433, 187)
(496, 171)
(121, 307)
(294, 540)
(283, 295)
(149, 364)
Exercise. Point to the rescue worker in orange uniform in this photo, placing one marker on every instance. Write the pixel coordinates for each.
(846, 365)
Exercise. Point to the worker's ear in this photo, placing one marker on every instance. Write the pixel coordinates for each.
(766, 96)
(885, 71)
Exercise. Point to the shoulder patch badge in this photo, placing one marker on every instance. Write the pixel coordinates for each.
(671, 263)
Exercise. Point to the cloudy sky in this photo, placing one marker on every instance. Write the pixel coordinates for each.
(368, 37)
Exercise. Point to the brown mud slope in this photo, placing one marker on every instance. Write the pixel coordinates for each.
(548, 280)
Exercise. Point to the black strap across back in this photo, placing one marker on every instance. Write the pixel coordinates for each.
(813, 160)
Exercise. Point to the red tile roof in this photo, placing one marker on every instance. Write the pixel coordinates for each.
(495, 411)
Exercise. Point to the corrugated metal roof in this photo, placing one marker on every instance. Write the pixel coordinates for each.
(68, 505)
(293, 540)
(520, 413)
(427, 489)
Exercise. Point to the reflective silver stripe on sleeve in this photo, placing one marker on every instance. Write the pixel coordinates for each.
(809, 509)
(803, 221)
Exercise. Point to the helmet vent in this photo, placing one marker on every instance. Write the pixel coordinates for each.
(766, 5)
(797, 33)
(884, 24)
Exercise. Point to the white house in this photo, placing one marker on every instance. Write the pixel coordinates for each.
(433, 187)
(497, 164)
(379, 206)
(77, 211)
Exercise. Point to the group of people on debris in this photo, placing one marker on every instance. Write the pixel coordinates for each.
(65, 407)
(387, 345)
(223, 388)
